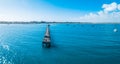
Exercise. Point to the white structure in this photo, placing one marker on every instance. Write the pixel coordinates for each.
(115, 30)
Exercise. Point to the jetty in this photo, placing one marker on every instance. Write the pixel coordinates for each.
(46, 41)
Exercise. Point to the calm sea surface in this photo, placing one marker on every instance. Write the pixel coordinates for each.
(71, 44)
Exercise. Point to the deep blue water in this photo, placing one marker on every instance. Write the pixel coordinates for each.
(71, 44)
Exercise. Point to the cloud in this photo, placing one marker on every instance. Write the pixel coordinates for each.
(109, 14)
(109, 7)
(118, 6)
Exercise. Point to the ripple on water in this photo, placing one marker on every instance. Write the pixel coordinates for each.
(6, 47)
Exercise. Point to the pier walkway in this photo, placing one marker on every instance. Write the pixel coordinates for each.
(46, 41)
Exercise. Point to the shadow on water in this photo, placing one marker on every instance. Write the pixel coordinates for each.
(53, 44)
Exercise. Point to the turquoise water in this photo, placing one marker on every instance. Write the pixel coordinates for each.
(71, 44)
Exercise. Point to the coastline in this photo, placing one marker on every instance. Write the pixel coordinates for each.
(41, 22)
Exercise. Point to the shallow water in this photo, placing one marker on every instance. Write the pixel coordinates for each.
(71, 44)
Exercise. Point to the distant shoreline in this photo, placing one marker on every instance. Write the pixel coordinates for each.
(41, 22)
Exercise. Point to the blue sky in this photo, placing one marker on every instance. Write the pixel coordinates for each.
(81, 5)
(51, 10)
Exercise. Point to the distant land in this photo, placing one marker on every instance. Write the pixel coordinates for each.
(33, 22)
(39, 22)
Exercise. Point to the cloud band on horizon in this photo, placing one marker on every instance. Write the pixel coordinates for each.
(109, 14)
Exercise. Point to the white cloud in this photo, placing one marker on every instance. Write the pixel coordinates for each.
(109, 7)
(110, 13)
(118, 6)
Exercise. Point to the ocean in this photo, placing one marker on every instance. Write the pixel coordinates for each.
(71, 44)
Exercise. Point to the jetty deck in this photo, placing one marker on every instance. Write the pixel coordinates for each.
(46, 41)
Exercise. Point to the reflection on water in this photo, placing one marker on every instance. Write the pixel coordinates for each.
(71, 44)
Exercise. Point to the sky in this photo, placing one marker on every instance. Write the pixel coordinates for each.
(60, 10)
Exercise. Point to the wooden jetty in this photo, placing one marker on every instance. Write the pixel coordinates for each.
(46, 41)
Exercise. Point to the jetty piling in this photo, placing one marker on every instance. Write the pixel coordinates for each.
(46, 41)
